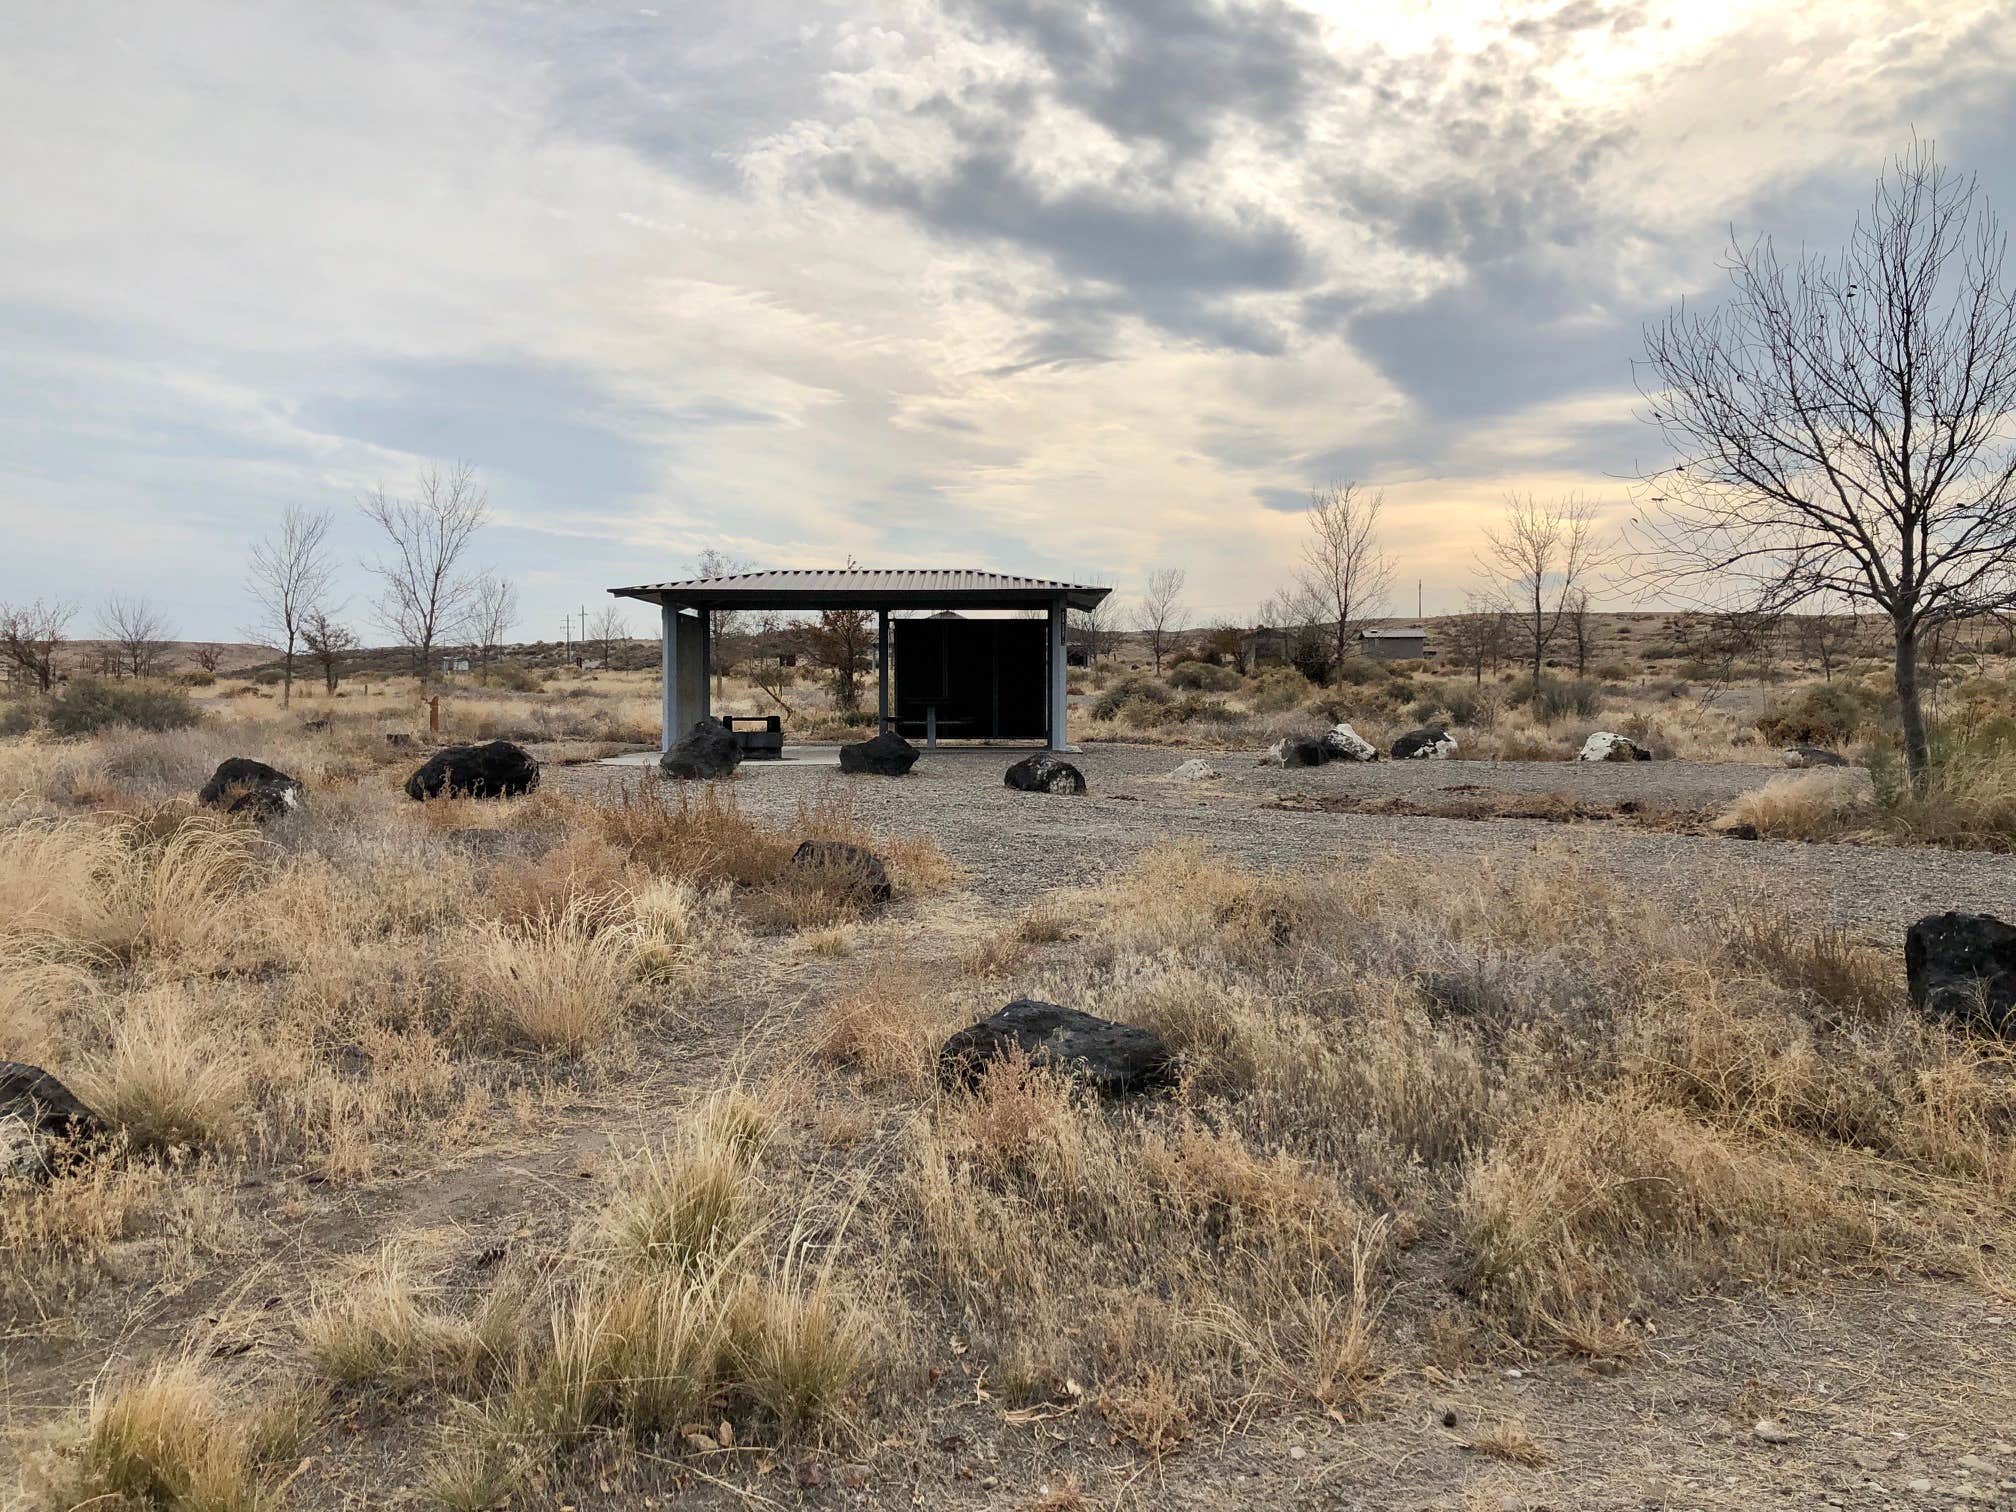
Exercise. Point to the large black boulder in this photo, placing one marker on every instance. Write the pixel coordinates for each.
(1111, 1057)
(40, 1121)
(1045, 774)
(497, 770)
(241, 785)
(1428, 744)
(709, 750)
(887, 755)
(1962, 967)
(846, 866)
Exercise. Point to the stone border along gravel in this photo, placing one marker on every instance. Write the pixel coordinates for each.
(1016, 846)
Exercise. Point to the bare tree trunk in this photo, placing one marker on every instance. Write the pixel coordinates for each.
(1910, 704)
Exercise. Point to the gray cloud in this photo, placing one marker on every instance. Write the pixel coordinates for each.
(1172, 72)
(1170, 265)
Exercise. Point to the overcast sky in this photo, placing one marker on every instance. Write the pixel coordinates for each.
(1073, 288)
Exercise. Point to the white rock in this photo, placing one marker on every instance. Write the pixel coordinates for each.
(1196, 769)
(1771, 1432)
(1604, 745)
(22, 1152)
(1346, 744)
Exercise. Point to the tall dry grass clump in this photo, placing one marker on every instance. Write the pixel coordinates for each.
(164, 1081)
(166, 1440)
(565, 984)
(686, 1290)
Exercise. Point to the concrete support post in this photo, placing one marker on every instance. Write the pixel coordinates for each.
(705, 621)
(882, 670)
(669, 729)
(1059, 698)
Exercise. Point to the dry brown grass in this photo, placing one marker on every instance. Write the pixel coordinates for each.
(1511, 1442)
(1968, 803)
(164, 1439)
(1512, 1106)
(372, 983)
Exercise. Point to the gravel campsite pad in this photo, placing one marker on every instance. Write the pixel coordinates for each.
(1015, 846)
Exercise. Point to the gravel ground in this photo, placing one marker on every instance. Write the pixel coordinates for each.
(1015, 846)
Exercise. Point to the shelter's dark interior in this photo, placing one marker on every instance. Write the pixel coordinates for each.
(985, 678)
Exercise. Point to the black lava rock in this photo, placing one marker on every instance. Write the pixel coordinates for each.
(1419, 745)
(858, 870)
(1114, 1058)
(887, 755)
(1962, 968)
(41, 1121)
(497, 770)
(1045, 774)
(709, 750)
(241, 785)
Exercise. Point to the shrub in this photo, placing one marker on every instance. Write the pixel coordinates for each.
(513, 677)
(15, 719)
(1463, 704)
(1827, 715)
(1314, 661)
(1279, 690)
(1198, 709)
(1202, 677)
(1554, 699)
(198, 677)
(85, 706)
(1360, 672)
(1135, 690)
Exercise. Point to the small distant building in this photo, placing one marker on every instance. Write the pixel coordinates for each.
(1267, 647)
(1399, 643)
(454, 664)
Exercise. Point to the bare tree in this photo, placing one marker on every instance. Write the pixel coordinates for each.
(1161, 615)
(327, 639)
(841, 641)
(493, 612)
(425, 595)
(1343, 568)
(1579, 631)
(1843, 425)
(29, 636)
(609, 627)
(1095, 626)
(138, 630)
(289, 577)
(723, 623)
(207, 655)
(1824, 639)
(1538, 562)
(1476, 638)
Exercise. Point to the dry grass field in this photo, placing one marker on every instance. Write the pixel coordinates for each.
(578, 1150)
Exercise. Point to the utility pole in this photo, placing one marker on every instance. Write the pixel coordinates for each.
(1418, 616)
(567, 637)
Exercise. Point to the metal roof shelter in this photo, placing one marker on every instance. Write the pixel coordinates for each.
(685, 618)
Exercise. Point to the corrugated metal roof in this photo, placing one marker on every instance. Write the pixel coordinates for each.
(866, 587)
(1409, 634)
